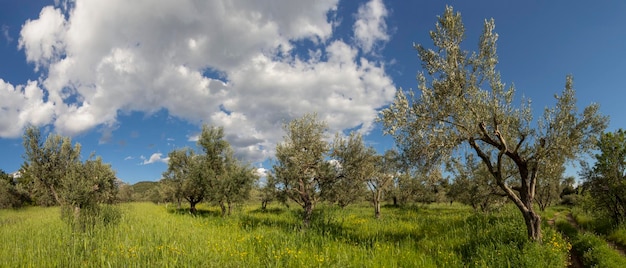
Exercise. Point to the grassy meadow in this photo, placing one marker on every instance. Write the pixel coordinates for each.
(150, 235)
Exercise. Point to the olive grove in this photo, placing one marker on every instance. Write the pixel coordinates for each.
(462, 105)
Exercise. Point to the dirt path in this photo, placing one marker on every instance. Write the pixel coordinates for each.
(574, 260)
(614, 246)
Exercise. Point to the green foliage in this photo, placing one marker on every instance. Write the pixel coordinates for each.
(429, 186)
(549, 185)
(606, 181)
(47, 164)
(188, 176)
(269, 192)
(91, 217)
(12, 194)
(618, 235)
(473, 185)
(355, 165)
(142, 187)
(88, 183)
(140, 191)
(592, 249)
(58, 177)
(386, 169)
(437, 235)
(214, 175)
(462, 102)
(595, 252)
(234, 186)
(403, 189)
(301, 169)
(124, 192)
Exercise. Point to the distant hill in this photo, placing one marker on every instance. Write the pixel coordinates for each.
(143, 187)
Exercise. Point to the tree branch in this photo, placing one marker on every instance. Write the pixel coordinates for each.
(519, 144)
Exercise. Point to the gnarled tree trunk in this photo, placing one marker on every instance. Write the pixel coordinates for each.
(308, 213)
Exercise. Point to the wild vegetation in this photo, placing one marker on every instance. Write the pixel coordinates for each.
(438, 235)
(468, 163)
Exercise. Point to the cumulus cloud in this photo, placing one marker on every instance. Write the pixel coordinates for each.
(370, 26)
(237, 64)
(154, 158)
(43, 39)
(22, 105)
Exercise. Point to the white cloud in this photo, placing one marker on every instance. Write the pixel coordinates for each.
(154, 158)
(43, 38)
(193, 138)
(370, 26)
(22, 105)
(5, 33)
(231, 63)
(261, 172)
(129, 158)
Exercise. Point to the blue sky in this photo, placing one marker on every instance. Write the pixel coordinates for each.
(132, 80)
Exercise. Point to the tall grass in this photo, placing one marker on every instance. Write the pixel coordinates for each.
(156, 236)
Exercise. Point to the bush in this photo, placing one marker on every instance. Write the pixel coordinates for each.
(570, 200)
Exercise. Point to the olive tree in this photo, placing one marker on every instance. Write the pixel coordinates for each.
(301, 169)
(212, 175)
(473, 184)
(85, 188)
(187, 176)
(550, 174)
(355, 164)
(46, 163)
(59, 177)
(269, 192)
(233, 186)
(462, 102)
(378, 182)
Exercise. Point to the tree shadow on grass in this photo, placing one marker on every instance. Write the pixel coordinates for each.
(205, 213)
(251, 222)
(325, 224)
(275, 211)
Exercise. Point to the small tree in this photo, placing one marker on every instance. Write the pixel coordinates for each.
(125, 192)
(234, 185)
(473, 185)
(549, 179)
(187, 177)
(385, 170)
(463, 101)
(355, 165)
(84, 189)
(607, 179)
(59, 177)
(430, 186)
(47, 163)
(301, 169)
(215, 175)
(402, 189)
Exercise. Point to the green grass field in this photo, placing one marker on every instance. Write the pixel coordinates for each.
(149, 235)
